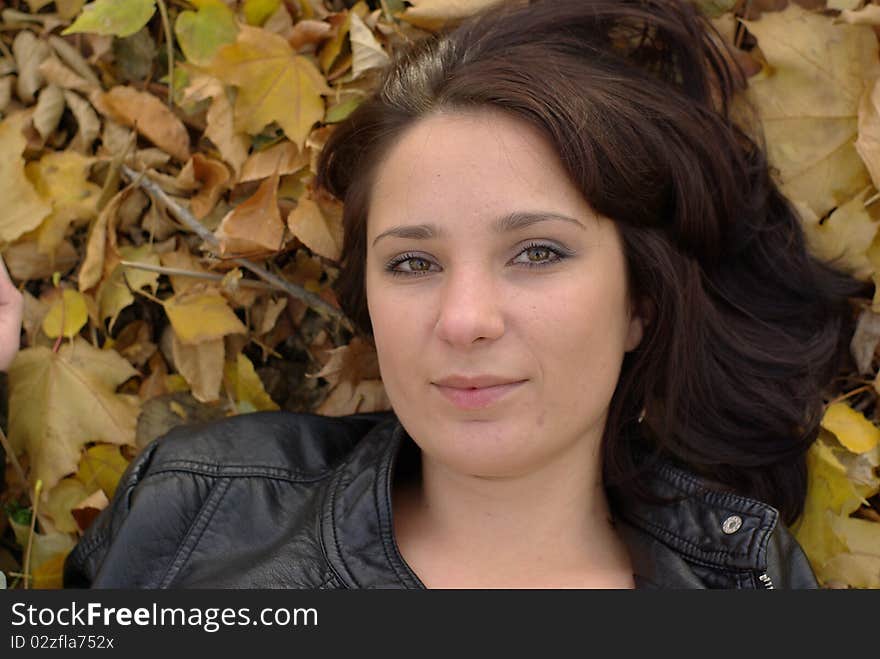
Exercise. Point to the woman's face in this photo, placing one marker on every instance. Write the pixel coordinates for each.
(485, 261)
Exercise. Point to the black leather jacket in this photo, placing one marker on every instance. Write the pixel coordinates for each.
(285, 500)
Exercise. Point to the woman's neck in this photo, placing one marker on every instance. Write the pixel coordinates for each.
(547, 528)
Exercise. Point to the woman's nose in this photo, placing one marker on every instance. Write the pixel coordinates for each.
(470, 308)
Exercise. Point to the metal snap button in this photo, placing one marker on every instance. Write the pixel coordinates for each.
(732, 524)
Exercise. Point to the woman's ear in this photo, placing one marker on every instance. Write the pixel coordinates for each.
(641, 315)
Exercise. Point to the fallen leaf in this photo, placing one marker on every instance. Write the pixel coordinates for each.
(201, 315)
(48, 551)
(436, 14)
(867, 15)
(212, 178)
(29, 53)
(367, 52)
(61, 178)
(247, 388)
(85, 512)
(319, 227)
(65, 399)
(865, 339)
(282, 158)
(47, 113)
(67, 315)
(62, 498)
(86, 119)
(274, 84)
(23, 208)
(309, 32)
(257, 11)
(201, 364)
(115, 292)
(25, 261)
(851, 428)
(813, 87)
(331, 50)
(102, 234)
(254, 224)
(232, 143)
(111, 17)
(101, 466)
(149, 116)
(201, 33)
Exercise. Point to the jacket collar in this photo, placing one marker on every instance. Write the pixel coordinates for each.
(702, 525)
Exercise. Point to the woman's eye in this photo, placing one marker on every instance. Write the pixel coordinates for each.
(536, 255)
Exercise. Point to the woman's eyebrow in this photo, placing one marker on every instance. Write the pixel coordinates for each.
(510, 222)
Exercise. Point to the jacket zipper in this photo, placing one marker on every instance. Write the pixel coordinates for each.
(766, 581)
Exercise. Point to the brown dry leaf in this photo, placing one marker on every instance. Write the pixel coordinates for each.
(183, 259)
(265, 314)
(149, 116)
(220, 128)
(367, 52)
(353, 362)
(56, 73)
(102, 235)
(63, 400)
(435, 14)
(274, 84)
(255, 224)
(201, 315)
(47, 113)
(23, 208)
(812, 88)
(115, 291)
(318, 226)
(29, 52)
(868, 142)
(86, 119)
(282, 159)
(347, 398)
(201, 365)
(25, 260)
(134, 343)
(88, 509)
(867, 15)
(213, 177)
(309, 32)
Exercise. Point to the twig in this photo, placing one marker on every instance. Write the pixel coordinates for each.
(855, 391)
(871, 200)
(169, 39)
(189, 220)
(177, 272)
(13, 458)
(30, 542)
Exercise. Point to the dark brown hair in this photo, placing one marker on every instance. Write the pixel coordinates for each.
(638, 97)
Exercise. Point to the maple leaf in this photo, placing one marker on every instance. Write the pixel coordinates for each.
(274, 84)
(64, 400)
(23, 208)
(816, 77)
(201, 33)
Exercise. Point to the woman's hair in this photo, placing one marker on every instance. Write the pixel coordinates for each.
(637, 97)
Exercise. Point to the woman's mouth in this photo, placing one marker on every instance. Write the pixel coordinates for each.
(477, 397)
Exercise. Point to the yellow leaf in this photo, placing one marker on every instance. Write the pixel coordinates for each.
(247, 387)
(102, 234)
(435, 14)
(812, 88)
(149, 116)
(200, 316)
(201, 33)
(60, 401)
(67, 9)
(845, 237)
(100, 467)
(830, 494)
(112, 17)
(274, 84)
(48, 552)
(257, 11)
(254, 224)
(201, 365)
(851, 428)
(114, 293)
(67, 315)
(23, 208)
(61, 178)
(319, 227)
(62, 498)
(331, 50)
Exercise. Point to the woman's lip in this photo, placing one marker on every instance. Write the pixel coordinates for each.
(471, 399)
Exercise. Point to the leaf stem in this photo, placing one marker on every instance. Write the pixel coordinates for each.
(30, 543)
(169, 38)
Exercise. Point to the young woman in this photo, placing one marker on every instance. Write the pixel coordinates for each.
(601, 333)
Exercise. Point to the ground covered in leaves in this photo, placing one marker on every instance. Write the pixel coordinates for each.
(157, 160)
